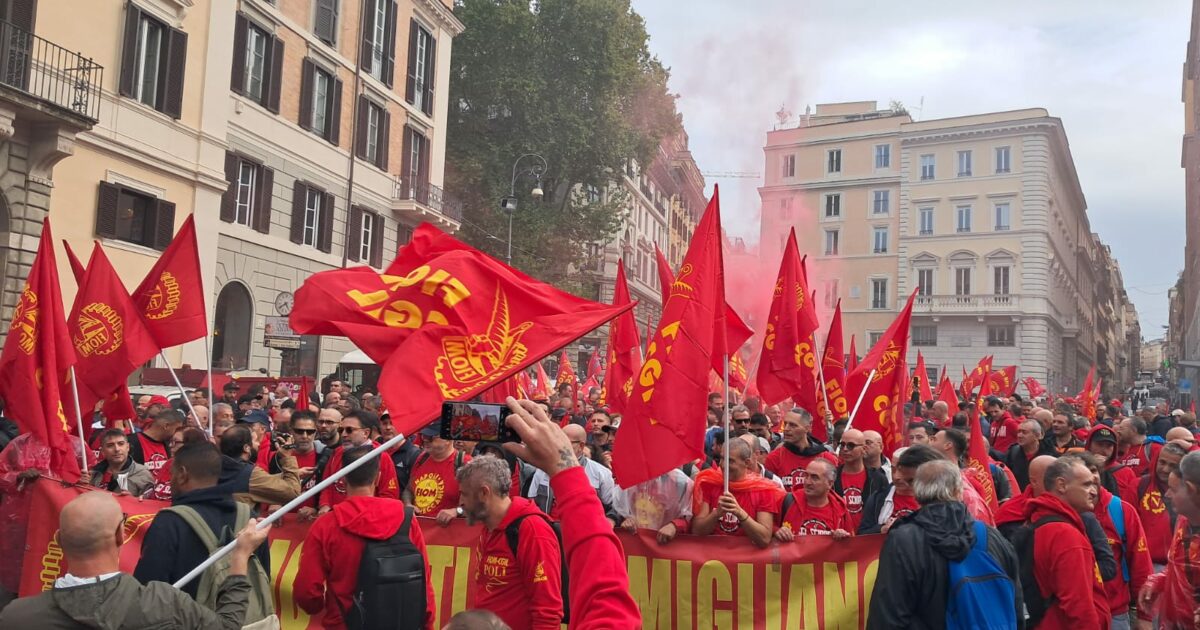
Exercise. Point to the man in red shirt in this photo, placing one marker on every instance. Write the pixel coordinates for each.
(356, 431)
(303, 426)
(333, 548)
(818, 512)
(1132, 448)
(1004, 426)
(523, 588)
(432, 488)
(1154, 506)
(748, 509)
(149, 446)
(791, 459)
(855, 481)
(1172, 593)
(1118, 479)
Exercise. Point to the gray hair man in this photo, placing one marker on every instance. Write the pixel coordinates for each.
(1029, 446)
(790, 461)
(600, 477)
(913, 585)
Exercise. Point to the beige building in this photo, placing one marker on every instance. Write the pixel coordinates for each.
(303, 135)
(1153, 354)
(982, 215)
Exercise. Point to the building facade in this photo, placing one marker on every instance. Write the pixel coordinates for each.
(982, 216)
(1186, 346)
(302, 135)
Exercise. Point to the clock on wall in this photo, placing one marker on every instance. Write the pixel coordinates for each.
(283, 303)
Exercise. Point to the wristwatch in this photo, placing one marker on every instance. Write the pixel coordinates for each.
(458, 511)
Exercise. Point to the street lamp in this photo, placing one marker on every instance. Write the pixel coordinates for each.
(509, 204)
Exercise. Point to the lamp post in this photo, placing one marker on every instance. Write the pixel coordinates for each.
(509, 204)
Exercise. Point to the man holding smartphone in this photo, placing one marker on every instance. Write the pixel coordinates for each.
(432, 488)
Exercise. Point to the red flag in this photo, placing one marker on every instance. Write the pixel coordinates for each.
(788, 365)
(593, 370)
(976, 377)
(664, 422)
(76, 266)
(1004, 381)
(852, 359)
(665, 275)
(542, 392)
(737, 332)
(106, 328)
(36, 358)
(977, 462)
(881, 377)
(524, 384)
(738, 379)
(566, 374)
(1034, 387)
(1086, 397)
(501, 392)
(923, 379)
(445, 321)
(171, 297)
(947, 395)
(304, 396)
(624, 350)
(833, 363)
(1192, 408)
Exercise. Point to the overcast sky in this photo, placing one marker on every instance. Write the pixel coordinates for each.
(1110, 70)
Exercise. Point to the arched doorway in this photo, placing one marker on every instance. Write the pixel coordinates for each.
(233, 328)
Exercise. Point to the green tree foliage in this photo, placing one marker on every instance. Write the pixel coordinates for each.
(571, 80)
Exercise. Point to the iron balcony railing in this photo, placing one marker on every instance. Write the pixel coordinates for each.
(429, 195)
(970, 303)
(49, 72)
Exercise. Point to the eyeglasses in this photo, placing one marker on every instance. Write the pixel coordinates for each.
(848, 446)
(326, 422)
(345, 430)
(304, 431)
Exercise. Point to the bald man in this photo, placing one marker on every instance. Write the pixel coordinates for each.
(1183, 435)
(600, 477)
(1011, 514)
(95, 593)
(940, 414)
(873, 453)
(855, 480)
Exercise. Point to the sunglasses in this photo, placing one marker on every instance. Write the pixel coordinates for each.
(304, 431)
(741, 420)
(848, 446)
(345, 430)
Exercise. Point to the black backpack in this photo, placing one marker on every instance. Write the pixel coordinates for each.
(390, 591)
(513, 534)
(1022, 541)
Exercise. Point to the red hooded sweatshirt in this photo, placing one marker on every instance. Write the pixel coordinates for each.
(1004, 432)
(526, 590)
(333, 549)
(385, 488)
(1155, 516)
(1132, 550)
(1062, 557)
(1176, 585)
(1013, 510)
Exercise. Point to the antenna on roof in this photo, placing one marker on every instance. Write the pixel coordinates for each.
(920, 108)
(782, 116)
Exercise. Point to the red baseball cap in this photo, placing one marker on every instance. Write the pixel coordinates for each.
(160, 400)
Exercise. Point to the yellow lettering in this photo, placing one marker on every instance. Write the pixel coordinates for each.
(745, 595)
(284, 566)
(453, 291)
(369, 300)
(51, 569)
(713, 575)
(683, 594)
(769, 338)
(652, 369)
(462, 560)
(773, 607)
(837, 594)
(650, 586)
(413, 277)
(868, 583)
(441, 557)
(802, 598)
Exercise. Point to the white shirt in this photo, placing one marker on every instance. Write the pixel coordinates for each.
(68, 580)
(600, 478)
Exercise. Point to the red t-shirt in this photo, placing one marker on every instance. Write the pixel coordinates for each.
(753, 501)
(162, 483)
(433, 484)
(1135, 457)
(306, 460)
(852, 492)
(790, 467)
(903, 505)
(806, 520)
(149, 452)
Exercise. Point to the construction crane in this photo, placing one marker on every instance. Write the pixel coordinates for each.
(731, 174)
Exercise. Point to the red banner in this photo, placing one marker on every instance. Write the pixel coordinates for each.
(720, 582)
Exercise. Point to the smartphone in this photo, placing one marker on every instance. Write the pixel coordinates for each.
(476, 422)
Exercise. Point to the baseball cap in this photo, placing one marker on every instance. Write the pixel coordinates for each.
(256, 416)
(1177, 412)
(230, 386)
(1102, 433)
(159, 400)
(764, 445)
(1114, 403)
(433, 429)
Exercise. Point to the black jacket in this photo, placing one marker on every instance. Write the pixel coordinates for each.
(403, 459)
(1019, 465)
(872, 506)
(912, 585)
(171, 549)
(1160, 425)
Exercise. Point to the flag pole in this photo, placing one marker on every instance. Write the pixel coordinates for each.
(828, 419)
(291, 505)
(725, 450)
(162, 353)
(212, 397)
(79, 421)
(751, 374)
(857, 404)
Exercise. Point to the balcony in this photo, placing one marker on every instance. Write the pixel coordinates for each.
(427, 197)
(967, 304)
(34, 67)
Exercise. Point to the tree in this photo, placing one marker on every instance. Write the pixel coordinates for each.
(570, 80)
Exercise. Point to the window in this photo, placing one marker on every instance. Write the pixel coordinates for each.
(833, 205)
(257, 63)
(247, 199)
(962, 281)
(312, 217)
(1002, 217)
(153, 60)
(833, 161)
(789, 165)
(873, 337)
(593, 194)
(134, 217)
(924, 335)
(320, 102)
(925, 220)
(374, 123)
(421, 55)
(1000, 276)
(964, 163)
(964, 219)
(883, 156)
(325, 21)
(831, 293)
(785, 208)
(414, 167)
(1002, 335)
(925, 282)
(927, 166)
(879, 296)
(880, 238)
(831, 242)
(404, 234)
(1003, 156)
(881, 203)
(364, 237)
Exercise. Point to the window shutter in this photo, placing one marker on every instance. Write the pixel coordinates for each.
(354, 233)
(106, 210)
(404, 235)
(361, 127)
(406, 163)
(385, 131)
(164, 224)
(276, 78)
(430, 66)
(176, 67)
(262, 205)
(389, 46)
(307, 69)
(335, 114)
(368, 26)
(326, 18)
(325, 234)
(299, 202)
(377, 242)
(424, 166)
(133, 17)
(229, 197)
(22, 13)
(241, 29)
(410, 87)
